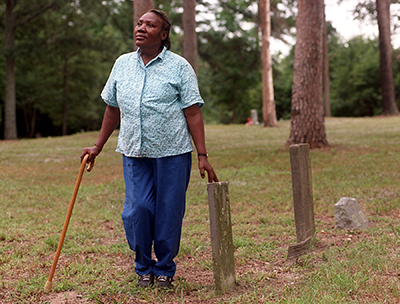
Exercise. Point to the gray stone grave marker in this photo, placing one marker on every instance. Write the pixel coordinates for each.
(221, 236)
(302, 198)
(254, 116)
(348, 214)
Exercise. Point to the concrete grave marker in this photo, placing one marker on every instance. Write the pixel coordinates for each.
(254, 117)
(348, 214)
(221, 236)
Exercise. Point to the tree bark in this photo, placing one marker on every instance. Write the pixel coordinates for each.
(269, 110)
(189, 48)
(389, 106)
(10, 115)
(30, 115)
(307, 123)
(139, 8)
(64, 97)
(326, 81)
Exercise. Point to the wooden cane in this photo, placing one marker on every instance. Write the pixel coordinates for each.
(48, 285)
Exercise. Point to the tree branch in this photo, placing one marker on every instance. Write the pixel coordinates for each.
(34, 15)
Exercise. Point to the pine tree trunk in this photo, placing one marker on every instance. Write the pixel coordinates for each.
(10, 116)
(189, 49)
(140, 7)
(234, 107)
(307, 123)
(269, 110)
(389, 106)
(64, 98)
(33, 123)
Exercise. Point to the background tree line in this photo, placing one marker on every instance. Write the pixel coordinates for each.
(63, 52)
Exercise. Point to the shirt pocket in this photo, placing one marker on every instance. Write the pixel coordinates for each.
(128, 90)
(161, 87)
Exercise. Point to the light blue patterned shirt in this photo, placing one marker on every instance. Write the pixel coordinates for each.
(151, 99)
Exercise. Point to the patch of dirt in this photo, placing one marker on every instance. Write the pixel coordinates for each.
(69, 297)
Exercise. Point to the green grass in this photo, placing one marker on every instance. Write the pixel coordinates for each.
(96, 266)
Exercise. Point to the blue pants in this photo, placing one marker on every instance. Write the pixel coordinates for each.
(155, 199)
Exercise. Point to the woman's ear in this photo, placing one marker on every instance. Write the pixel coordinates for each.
(164, 35)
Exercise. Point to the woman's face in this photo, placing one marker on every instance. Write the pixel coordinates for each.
(149, 31)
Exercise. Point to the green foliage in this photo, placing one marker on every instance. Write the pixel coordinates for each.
(283, 80)
(396, 73)
(64, 56)
(234, 74)
(2, 84)
(355, 79)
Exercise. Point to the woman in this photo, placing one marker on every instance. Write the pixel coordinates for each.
(153, 94)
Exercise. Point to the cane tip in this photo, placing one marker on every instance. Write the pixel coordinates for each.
(47, 286)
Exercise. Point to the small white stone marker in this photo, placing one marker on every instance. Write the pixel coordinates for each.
(254, 117)
(348, 214)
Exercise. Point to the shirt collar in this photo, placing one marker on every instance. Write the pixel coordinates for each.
(160, 55)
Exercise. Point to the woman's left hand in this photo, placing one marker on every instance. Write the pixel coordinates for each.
(204, 165)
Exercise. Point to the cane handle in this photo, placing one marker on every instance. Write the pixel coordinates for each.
(91, 164)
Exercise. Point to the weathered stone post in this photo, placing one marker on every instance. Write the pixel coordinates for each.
(254, 116)
(221, 236)
(302, 198)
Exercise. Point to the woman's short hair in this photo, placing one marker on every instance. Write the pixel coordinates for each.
(166, 26)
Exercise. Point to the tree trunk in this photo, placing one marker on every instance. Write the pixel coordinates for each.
(189, 49)
(64, 97)
(389, 106)
(307, 123)
(326, 81)
(33, 123)
(30, 114)
(234, 107)
(10, 116)
(139, 8)
(269, 110)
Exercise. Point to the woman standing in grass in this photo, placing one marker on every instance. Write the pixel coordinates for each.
(153, 94)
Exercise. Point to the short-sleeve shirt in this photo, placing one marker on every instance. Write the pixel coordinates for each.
(151, 100)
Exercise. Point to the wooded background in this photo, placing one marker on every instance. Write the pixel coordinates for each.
(56, 56)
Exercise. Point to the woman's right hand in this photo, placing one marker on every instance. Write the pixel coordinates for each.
(93, 153)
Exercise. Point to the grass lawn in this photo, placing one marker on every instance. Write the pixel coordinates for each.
(37, 177)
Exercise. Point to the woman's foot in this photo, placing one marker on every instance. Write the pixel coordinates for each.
(164, 282)
(145, 280)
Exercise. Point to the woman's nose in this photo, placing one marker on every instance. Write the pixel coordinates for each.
(140, 27)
